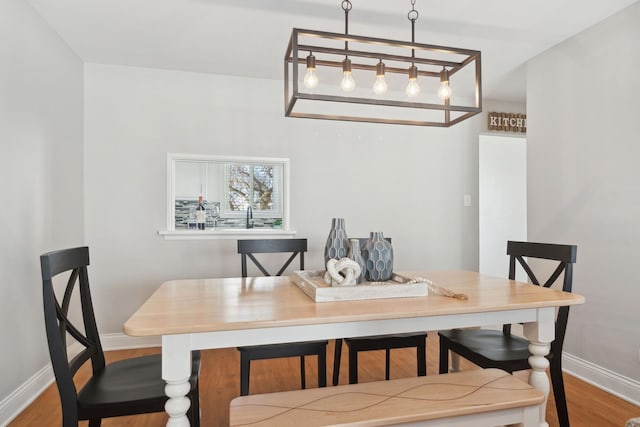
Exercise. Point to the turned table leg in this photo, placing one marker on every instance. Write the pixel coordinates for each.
(176, 371)
(540, 335)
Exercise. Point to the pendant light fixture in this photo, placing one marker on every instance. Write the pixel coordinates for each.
(380, 86)
(310, 78)
(420, 101)
(413, 88)
(444, 92)
(348, 83)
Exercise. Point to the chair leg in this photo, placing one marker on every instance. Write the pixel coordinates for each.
(421, 356)
(387, 363)
(353, 366)
(194, 410)
(245, 367)
(95, 422)
(444, 357)
(322, 368)
(303, 374)
(337, 354)
(558, 391)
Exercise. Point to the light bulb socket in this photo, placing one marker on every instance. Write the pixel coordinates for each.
(413, 72)
(311, 62)
(444, 76)
(346, 65)
(380, 69)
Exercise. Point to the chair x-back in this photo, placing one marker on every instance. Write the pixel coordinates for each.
(296, 248)
(500, 349)
(127, 387)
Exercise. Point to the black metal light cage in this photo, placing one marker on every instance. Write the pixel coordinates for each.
(330, 49)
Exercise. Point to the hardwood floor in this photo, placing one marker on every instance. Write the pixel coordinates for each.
(219, 383)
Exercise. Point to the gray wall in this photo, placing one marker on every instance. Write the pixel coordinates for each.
(41, 178)
(583, 105)
(405, 181)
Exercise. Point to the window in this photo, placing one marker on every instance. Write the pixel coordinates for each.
(228, 186)
(252, 184)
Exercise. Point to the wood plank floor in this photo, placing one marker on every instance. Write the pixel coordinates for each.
(219, 383)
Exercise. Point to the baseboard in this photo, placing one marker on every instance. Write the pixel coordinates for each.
(26, 393)
(623, 387)
(21, 397)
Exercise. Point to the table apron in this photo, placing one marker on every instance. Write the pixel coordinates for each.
(301, 333)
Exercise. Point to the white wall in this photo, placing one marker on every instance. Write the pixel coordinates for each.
(405, 181)
(502, 206)
(41, 173)
(583, 105)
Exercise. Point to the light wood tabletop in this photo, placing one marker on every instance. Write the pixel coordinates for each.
(208, 305)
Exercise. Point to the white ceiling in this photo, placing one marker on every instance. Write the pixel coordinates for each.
(248, 37)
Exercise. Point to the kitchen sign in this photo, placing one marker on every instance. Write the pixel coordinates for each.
(508, 122)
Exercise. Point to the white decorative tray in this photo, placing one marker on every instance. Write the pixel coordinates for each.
(313, 284)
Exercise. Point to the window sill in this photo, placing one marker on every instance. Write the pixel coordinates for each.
(226, 233)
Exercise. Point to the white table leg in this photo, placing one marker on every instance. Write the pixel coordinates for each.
(176, 371)
(540, 335)
(455, 362)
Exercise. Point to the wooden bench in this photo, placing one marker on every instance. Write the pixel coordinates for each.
(474, 398)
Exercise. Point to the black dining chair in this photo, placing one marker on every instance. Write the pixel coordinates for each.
(127, 387)
(500, 349)
(296, 248)
(379, 342)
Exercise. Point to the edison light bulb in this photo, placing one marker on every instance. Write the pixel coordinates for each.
(310, 79)
(347, 83)
(445, 91)
(413, 88)
(380, 85)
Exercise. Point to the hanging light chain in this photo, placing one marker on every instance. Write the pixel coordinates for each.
(346, 6)
(412, 16)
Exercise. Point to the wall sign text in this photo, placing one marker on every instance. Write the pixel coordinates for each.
(508, 122)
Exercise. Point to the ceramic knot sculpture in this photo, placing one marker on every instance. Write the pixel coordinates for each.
(343, 272)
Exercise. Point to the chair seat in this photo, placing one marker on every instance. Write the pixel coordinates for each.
(135, 383)
(491, 344)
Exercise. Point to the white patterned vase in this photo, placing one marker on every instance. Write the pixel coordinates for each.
(378, 257)
(337, 242)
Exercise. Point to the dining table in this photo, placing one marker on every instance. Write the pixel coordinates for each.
(196, 314)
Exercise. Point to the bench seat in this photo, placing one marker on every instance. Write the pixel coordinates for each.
(478, 397)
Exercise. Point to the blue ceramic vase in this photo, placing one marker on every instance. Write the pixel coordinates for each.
(378, 257)
(337, 242)
(355, 254)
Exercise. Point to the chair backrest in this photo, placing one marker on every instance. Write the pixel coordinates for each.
(565, 255)
(246, 248)
(73, 261)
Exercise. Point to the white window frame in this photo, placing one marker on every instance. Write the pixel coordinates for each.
(171, 233)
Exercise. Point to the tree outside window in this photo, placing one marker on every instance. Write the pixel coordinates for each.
(250, 185)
